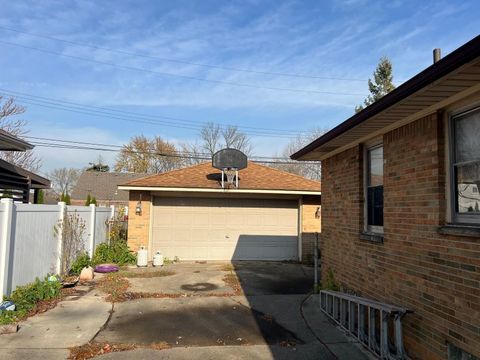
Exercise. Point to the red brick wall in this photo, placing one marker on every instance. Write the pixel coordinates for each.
(437, 276)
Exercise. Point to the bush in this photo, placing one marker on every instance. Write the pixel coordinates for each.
(117, 252)
(79, 263)
(26, 297)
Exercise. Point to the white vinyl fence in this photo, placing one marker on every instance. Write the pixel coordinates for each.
(30, 247)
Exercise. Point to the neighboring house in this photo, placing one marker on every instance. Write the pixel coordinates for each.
(15, 182)
(186, 213)
(103, 186)
(401, 223)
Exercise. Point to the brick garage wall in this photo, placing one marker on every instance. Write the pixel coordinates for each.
(437, 276)
(138, 225)
(310, 225)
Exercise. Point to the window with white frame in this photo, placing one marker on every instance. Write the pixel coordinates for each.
(465, 166)
(374, 189)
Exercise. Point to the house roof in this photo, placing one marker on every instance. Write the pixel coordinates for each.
(102, 185)
(455, 76)
(255, 177)
(16, 173)
(9, 142)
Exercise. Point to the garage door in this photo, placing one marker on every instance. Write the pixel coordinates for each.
(225, 229)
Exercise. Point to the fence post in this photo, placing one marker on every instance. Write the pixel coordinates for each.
(91, 247)
(5, 241)
(61, 220)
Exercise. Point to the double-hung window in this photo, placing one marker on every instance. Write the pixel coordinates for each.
(465, 167)
(374, 189)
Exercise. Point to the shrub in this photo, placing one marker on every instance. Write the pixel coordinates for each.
(80, 262)
(26, 297)
(117, 252)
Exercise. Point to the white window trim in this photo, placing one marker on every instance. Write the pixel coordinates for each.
(378, 142)
(452, 215)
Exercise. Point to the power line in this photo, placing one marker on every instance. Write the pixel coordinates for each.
(72, 147)
(186, 77)
(122, 146)
(180, 61)
(78, 145)
(138, 117)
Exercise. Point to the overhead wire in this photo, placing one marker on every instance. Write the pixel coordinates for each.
(180, 61)
(186, 77)
(138, 117)
(116, 148)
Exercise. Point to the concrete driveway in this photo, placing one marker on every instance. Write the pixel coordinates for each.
(208, 310)
(267, 314)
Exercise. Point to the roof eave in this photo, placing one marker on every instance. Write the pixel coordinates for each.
(10, 142)
(219, 190)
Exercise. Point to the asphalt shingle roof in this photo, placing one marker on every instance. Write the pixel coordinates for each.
(102, 185)
(254, 177)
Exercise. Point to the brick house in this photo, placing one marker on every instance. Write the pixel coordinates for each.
(186, 213)
(400, 204)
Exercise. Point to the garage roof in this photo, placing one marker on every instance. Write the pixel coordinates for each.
(455, 76)
(254, 178)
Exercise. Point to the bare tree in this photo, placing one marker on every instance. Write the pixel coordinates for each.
(9, 121)
(143, 155)
(63, 179)
(215, 138)
(192, 154)
(310, 169)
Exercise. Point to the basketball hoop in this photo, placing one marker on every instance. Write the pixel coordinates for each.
(230, 161)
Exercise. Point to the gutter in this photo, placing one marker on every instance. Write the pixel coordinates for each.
(221, 191)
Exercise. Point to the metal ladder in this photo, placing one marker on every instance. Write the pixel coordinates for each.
(377, 326)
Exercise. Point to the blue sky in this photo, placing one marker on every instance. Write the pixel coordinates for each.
(324, 40)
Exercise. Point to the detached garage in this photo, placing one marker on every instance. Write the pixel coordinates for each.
(190, 213)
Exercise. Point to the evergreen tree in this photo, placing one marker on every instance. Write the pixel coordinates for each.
(41, 197)
(65, 198)
(89, 199)
(99, 165)
(381, 85)
(93, 201)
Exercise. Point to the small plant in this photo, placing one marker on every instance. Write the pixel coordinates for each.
(117, 252)
(80, 262)
(330, 283)
(73, 229)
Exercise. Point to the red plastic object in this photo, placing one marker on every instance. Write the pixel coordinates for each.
(106, 268)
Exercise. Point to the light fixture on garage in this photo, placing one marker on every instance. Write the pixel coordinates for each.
(318, 213)
(138, 208)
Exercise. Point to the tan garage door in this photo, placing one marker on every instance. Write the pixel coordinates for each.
(225, 229)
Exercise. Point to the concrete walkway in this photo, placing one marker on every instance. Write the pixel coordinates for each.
(73, 322)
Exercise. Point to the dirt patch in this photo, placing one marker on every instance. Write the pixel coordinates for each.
(114, 285)
(227, 267)
(233, 281)
(146, 274)
(128, 295)
(93, 349)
